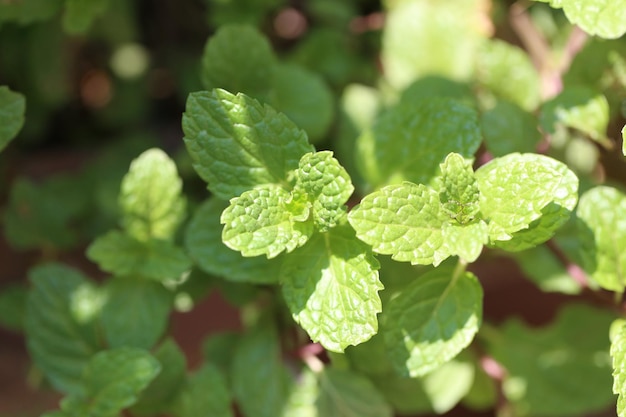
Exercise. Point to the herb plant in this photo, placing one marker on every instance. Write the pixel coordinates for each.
(348, 216)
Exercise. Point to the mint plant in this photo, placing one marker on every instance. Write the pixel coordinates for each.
(351, 216)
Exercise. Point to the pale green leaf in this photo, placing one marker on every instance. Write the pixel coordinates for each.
(618, 353)
(562, 369)
(236, 143)
(59, 344)
(136, 312)
(602, 233)
(446, 385)
(112, 381)
(546, 271)
(327, 185)
(203, 241)
(604, 18)
(404, 221)
(518, 189)
(80, 14)
(303, 397)
(238, 58)
(466, 240)
(508, 128)
(432, 320)
(331, 287)
(205, 393)
(120, 254)
(508, 72)
(164, 388)
(151, 197)
(409, 141)
(304, 98)
(259, 223)
(259, 379)
(459, 193)
(347, 394)
(12, 108)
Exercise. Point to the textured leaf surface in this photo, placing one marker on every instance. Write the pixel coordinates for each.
(331, 287)
(604, 18)
(602, 233)
(203, 241)
(136, 312)
(432, 320)
(409, 141)
(236, 143)
(204, 394)
(12, 108)
(508, 128)
(404, 221)
(238, 58)
(459, 194)
(259, 223)
(120, 254)
(112, 381)
(151, 197)
(515, 190)
(327, 184)
(257, 358)
(80, 14)
(59, 343)
(466, 240)
(558, 370)
(618, 353)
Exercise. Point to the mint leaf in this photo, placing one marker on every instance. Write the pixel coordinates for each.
(618, 353)
(405, 395)
(602, 234)
(259, 223)
(331, 287)
(431, 86)
(203, 241)
(13, 306)
(508, 128)
(560, 369)
(236, 143)
(80, 14)
(257, 358)
(432, 320)
(120, 254)
(238, 58)
(345, 394)
(12, 108)
(136, 312)
(303, 397)
(327, 185)
(164, 388)
(466, 240)
(446, 385)
(546, 271)
(518, 189)
(112, 381)
(404, 221)
(508, 72)
(604, 18)
(151, 197)
(204, 394)
(59, 340)
(459, 193)
(437, 127)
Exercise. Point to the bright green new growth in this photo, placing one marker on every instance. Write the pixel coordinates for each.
(12, 108)
(459, 193)
(618, 353)
(604, 18)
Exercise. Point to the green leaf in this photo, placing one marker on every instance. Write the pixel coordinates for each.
(561, 369)
(518, 189)
(59, 342)
(459, 193)
(604, 18)
(239, 58)
(163, 390)
(259, 222)
(466, 240)
(13, 306)
(303, 397)
(618, 353)
(432, 320)
(120, 254)
(546, 271)
(508, 72)
(508, 128)
(405, 395)
(136, 312)
(151, 197)
(327, 185)
(404, 221)
(437, 127)
(12, 108)
(112, 381)
(219, 349)
(446, 385)
(432, 86)
(29, 11)
(346, 394)
(204, 394)
(331, 287)
(602, 233)
(203, 241)
(236, 143)
(80, 14)
(258, 358)
(304, 98)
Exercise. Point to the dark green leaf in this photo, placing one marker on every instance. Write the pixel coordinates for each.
(204, 394)
(12, 108)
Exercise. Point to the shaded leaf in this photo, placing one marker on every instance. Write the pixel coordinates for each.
(204, 394)
(12, 108)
